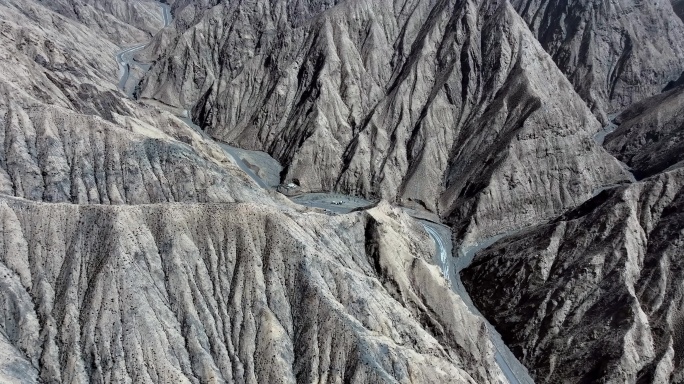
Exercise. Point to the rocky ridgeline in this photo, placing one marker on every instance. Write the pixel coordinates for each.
(650, 136)
(135, 250)
(595, 294)
(70, 136)
(449, 106)
(615, 53)
(229, 293)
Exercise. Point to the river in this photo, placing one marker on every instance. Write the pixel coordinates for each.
(264, 171)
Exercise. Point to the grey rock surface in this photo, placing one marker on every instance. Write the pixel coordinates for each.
(616, 52)
(678, 6)
(70, 136)
(135, 250)
(122, 21)
(450, 106)
(650, 135)
(231, 292)
(595, 295)
(60, 156)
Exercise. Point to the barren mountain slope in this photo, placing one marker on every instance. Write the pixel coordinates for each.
(615, 53)
(97, 286)
(70, 136)
(650, 135)
(56, 155)
(122, 21)
(230, 292)
(56, 60)
(449, 105)
(596, 295)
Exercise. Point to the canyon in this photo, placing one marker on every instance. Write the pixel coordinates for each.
(208, 191)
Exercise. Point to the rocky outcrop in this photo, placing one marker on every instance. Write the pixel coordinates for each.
(69, 136)
(230, 293)
(615, 53)
(595, 295)
(122, 21)
(450, 106)
(133, 249)
(58, 62)
(129, 253)
(650, 135)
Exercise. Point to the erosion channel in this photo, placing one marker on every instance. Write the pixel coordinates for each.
(264, 171)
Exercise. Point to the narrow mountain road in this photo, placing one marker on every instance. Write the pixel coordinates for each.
(441, 254)
(166, 14)
(336, 203)
(124, 58)
(230, 151)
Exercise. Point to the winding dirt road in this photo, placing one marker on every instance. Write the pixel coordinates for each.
(336, 203)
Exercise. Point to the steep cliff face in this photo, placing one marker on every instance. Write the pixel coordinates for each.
(61, 63)
(595, 295)
(55, 155)
(448, 105)
(125, 256)
(650, 135)
(615, 53)
(122, 21)
(69, 136)
(133, 249)
(230, 293)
